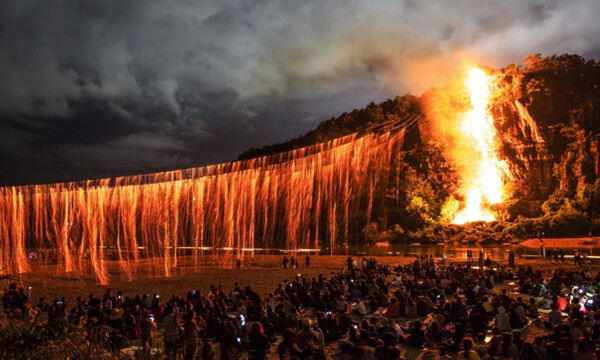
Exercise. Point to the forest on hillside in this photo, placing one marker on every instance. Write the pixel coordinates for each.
(556, 160)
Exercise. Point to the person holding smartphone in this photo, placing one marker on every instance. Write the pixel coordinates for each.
(146, 326)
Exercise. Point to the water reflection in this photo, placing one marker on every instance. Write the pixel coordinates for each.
(460, 252)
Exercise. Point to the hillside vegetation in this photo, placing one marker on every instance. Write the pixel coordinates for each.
(556, 189)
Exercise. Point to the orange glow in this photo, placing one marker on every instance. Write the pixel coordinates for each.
(483, 174)
(297, 200)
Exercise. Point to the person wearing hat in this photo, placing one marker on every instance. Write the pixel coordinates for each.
(115, 318)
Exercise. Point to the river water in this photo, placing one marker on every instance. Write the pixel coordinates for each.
(459, 252)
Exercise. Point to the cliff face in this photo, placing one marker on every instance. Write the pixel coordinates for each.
(547, 115)
(524, 145)
(550, 124)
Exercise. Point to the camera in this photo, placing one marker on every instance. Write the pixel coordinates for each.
(239, 339)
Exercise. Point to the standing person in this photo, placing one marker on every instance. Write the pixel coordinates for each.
(511, 259)
(481, 259)
(469, 256)
(307, 260)
(349, 263)
(190, 338)
(285, 261)
(293, 262)
(173, 330)
(146, 326)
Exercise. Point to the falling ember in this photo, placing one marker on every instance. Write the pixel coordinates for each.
(300, 199)
(483, 180)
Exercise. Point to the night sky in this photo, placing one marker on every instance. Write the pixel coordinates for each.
(103, 88)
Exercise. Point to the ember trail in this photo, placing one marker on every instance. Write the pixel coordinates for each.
(493, 158)
(302, 199)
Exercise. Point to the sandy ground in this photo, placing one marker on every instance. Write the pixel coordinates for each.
(262, 272)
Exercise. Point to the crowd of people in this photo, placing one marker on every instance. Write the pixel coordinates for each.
(428, 309)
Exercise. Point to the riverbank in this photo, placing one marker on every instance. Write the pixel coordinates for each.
(562, 243)
(262, 272)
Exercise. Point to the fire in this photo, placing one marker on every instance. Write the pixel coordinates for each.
(301, 199)
(484, 175)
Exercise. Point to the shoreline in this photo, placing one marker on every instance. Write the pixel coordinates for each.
(562, 243)
(262, 272)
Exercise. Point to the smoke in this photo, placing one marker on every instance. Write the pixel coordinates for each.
(216, 77)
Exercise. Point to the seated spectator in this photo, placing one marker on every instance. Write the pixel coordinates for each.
(467, 353)
(388, 350)
(417, 336)
(507, 349)
(532, 310)
(393, 309)
(503, 320)
(288, 348)
(554, 317)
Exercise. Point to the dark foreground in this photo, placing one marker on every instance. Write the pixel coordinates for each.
(390, 307)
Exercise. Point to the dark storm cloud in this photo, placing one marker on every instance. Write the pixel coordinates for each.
(99, 88)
